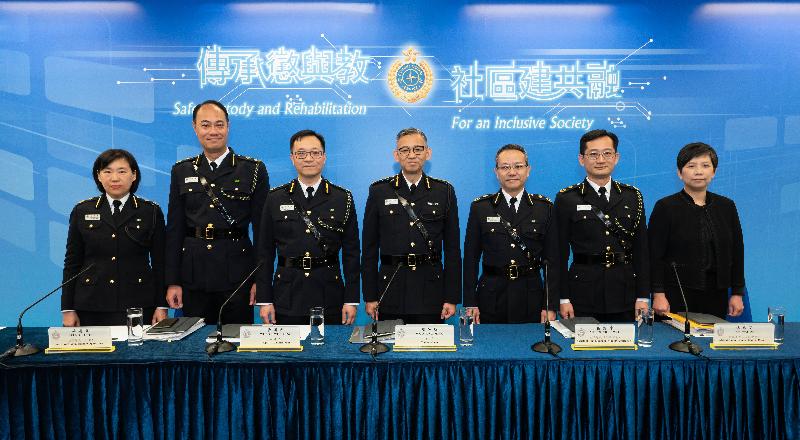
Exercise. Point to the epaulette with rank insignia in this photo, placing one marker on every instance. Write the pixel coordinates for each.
(142, 199)
(436, 179)
(539, 197)
(279, 187)
(483, 197)
(625, 185)
(251, 159)
(188, 159)
(571, 187)
(93, 199)
(385, 179)
(333, 185)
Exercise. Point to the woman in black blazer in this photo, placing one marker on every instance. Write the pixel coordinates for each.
(700, 233)
(123, 236)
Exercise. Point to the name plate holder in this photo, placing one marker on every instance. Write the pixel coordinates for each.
(79, 340)
(424, 337)
(271, 338)
(605, 337)
(744, 336)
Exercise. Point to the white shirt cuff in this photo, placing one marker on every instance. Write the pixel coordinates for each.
(263, 304)
(563, 301)
(647, 300)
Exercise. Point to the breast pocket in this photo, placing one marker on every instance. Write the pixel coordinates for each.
(493, 236)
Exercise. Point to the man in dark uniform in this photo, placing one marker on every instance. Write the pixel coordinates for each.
(213, 199)
(603, 222)
(409, 221)
(309, 221)
(515, 232)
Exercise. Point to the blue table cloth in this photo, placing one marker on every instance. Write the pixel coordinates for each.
(497, 388)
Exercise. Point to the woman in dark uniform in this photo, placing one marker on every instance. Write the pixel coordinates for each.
(123, 236)
(700, 233)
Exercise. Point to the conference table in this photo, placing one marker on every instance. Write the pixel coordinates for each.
(497, 388)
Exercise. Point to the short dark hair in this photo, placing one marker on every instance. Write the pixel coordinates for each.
(409, 131)
(305, 133)
(696, 149)
(106, 157)
(508, 147)
(209, 102)
(596, 134)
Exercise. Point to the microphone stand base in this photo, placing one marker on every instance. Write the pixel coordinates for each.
(26, 350)
(374, 347)
(546, 347)
(683, 346)
(219, 347)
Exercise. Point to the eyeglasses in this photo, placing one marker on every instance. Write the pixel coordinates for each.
(301, 154)
(607, 155)
(518, 167)
(416, 149)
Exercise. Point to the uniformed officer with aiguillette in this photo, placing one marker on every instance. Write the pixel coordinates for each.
(410, 220)
(309, 222)
(602, 221)
(213, 199)
(514, 233)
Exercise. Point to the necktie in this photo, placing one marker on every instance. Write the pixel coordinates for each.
(603, 199)
(513, 203)
(310, 192)
(412, 188)
(117, 205)
(213, 166)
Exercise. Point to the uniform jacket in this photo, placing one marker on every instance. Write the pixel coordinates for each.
(241, 184)
(283, 231)
(127, 251)
(487, 238)
(388, 230)
(580, 230)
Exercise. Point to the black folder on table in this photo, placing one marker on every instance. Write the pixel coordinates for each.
(179, 326)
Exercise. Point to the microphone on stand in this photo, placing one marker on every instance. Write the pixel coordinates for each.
(546, 346)
(221, 345)
(685, 345)
(374, 347)
(21, 348)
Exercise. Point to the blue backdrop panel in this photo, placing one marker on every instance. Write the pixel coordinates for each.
(77, 78)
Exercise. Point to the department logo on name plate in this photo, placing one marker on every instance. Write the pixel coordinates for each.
(409, 79)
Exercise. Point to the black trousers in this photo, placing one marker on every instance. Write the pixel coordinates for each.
(90, 318)
(412, 319)
(206, 305)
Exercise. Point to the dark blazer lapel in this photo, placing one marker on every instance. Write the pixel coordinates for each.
(524, 211)
(321, 195)
(128, 210)
(616, 196)
(104, 209)
(591, 196)
(225, 168)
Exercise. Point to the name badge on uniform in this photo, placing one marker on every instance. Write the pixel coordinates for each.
(287, 207)
(493, 219)
(192, 179)
(390, 202)
(93, 217)
(584, 207)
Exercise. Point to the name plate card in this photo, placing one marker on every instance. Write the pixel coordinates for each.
(79, 339)
(424, 337)
(744, 335)
(271, 337)
(605, 337)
